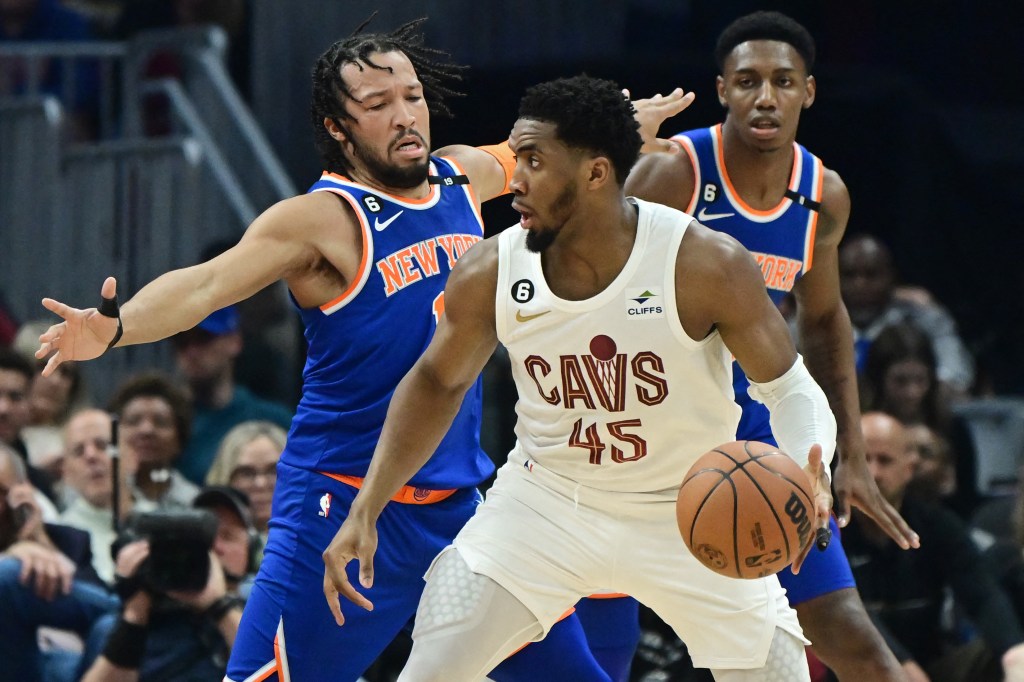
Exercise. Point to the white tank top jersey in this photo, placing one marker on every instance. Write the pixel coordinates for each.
(612, 392)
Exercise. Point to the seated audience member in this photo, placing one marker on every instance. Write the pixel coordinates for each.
(46, 577)
(899, 378)
(154, 424)
(905, 591)
(206, 358)
(16, 375)
(247, 460)
(867, 279)
(182, 635)
(934, 477)
(88, 474)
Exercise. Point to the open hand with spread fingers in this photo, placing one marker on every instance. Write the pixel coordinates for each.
(84, 334)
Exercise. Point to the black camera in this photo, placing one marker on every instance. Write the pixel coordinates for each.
(179, 548)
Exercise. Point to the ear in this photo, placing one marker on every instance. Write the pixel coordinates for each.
(599, 172)
(720, 88)
(334, 130)
(812, 88)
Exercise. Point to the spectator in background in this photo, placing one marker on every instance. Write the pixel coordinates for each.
(900, 378)
(16, 374)
(155, 419)
(49, 20)
(46, 576)
(934, 475)
(88, 473)
(51, 400)
(906, 591)
(184, 635)
(247, 460)
(868, 282)
(206, 358)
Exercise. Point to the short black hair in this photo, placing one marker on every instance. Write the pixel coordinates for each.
(13, 361)
(433, 67)
(588, 113)
(765, 26)
(152, 384)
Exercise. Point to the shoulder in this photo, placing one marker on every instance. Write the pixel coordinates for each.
(835, 207)
(664, 177)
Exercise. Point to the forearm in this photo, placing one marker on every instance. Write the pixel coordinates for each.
(827, 346)
(419, 416)
(172, 303)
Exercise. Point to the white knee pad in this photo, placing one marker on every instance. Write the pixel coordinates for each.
(787, 662)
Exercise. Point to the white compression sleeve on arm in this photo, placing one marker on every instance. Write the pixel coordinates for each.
(800, 415)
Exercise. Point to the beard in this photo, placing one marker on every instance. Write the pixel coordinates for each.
(388, 174)
(539, 239)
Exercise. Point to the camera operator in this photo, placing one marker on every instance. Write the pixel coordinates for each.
(175, 634)
(46, 577)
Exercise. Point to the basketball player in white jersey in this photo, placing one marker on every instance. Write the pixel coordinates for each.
(620, 318)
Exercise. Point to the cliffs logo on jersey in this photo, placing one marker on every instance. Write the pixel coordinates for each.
(644, 303)
(779, 272)
(420, 260)
(599, 378)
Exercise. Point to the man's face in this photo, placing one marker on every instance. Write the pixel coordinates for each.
(889, 456)
(14, 409)
(231, 544)
(764, 86)
(544, 182)
(387, 137)
(204, 357)
(7, 481)
(86, 463)
(149, 434)
(866, 280)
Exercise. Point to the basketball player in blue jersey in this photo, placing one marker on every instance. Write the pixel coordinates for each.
(616, 399)
(366, 254)
(748, 178)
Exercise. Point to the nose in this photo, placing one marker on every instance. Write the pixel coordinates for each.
(517, 185)
(405, 115)
(766, 96)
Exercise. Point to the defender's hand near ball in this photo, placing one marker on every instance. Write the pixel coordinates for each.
(822, 491)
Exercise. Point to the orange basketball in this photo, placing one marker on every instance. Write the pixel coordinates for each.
(745, 509)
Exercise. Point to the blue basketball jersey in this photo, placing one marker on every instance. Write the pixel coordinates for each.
(362, 343)
(781, 238)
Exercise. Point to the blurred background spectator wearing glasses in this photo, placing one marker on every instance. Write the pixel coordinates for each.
(247, 460)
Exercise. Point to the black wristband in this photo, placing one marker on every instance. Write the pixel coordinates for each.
(126, 644)
(117, 334)
(218, 609)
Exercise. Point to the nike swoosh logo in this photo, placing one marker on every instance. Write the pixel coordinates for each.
(381, 226)
(526, 318)
(704, 215)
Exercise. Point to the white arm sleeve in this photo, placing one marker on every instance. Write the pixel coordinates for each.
(800, 415)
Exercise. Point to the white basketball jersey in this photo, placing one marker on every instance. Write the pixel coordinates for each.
(612, 392)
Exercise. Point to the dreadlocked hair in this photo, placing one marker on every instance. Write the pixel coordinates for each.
(590, 114)
(434, 69)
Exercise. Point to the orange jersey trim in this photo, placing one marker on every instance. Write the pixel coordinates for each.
(728, 181)
(474, 200)
(608, 595)
(560, 618)
(407, 495)
(364, 261)
(396, 197)
(819, 183)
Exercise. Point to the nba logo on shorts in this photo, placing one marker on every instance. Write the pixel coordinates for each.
(325, 505)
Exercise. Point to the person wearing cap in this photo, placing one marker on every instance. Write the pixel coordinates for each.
(206, 356)
(183, 635)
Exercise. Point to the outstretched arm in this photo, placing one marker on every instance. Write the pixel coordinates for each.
(420, 413)
(826, 339)
(275, 246)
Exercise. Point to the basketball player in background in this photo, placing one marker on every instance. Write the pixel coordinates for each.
(748, 178)
(619, 317)
(365, 254)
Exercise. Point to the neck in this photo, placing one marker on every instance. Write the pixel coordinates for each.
(759, 176)
(153, 481)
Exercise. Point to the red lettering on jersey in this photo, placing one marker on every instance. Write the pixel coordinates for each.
(573, 385)
(608, 380)
(658, 383)
(534, 365)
